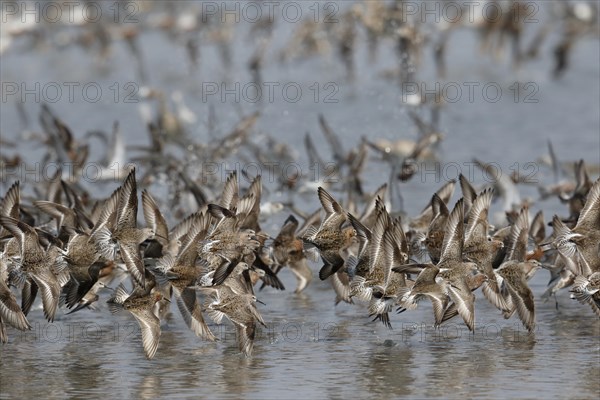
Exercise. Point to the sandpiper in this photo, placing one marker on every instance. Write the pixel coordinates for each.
(587, 291)
(436, 231)
(515, 272)
(10, 312)
(141, 304)
(118, 223)
(330, 239)
(35, 264)
(482, 250)
(9, 206)
(236, 301)
(366, 269)
(454, 270)
(394, 252)
(287, 250)
(182, 273)
(425, 286)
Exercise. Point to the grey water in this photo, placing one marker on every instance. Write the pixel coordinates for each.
(311, 348)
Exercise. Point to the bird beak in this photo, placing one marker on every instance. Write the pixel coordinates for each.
(107, 287)
(545, 246)
(258, 301)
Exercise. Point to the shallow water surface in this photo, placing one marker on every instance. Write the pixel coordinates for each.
(313, 348)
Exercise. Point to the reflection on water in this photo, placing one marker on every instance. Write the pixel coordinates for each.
(313, 348)
(388, 370)
(333, 356)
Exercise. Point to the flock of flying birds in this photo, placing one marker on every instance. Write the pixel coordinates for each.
(335, 29)
(210, 261)
(76, 249)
